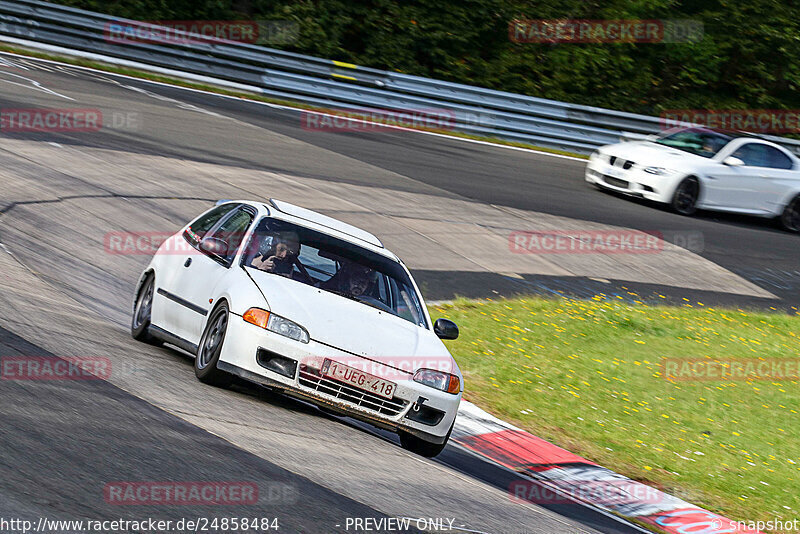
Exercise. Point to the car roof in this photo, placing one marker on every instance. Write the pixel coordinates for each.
(317, 221)
(732, 134)
(324, 220)
(735, 135)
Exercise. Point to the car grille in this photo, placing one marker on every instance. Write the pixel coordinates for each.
(311, 378)
(619, 162)
(616, 182)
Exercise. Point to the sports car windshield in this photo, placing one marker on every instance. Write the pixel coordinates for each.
(333, 265)
(698, 141)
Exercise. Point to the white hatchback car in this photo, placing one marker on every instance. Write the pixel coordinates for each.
(707, 169)
(297, 301)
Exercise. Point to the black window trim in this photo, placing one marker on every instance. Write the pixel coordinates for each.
(214, 226)
(238, 206)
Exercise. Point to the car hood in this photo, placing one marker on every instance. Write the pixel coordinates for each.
(349, 325)
(647, 153)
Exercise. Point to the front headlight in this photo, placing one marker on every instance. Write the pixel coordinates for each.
(438, 380)
(276, 323)
(658, 171)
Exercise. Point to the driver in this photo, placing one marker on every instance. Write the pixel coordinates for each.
(278, 254)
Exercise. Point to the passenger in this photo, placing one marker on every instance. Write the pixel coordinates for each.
(351, 280)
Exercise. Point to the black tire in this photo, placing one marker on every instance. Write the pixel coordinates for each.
(424, 448)
(210, 348)
(684, 200)
(790, 218)
(142, 311)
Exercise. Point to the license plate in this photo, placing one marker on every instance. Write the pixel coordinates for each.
(616, 173)
(359, 379)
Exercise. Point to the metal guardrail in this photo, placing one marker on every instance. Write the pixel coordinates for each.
(338, 85)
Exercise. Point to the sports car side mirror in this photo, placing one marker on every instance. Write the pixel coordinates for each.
(214, 246)
(445, 329)
(732, 161)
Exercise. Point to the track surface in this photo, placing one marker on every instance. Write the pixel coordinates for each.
(757, 249)
(152, 421)
(67, 299)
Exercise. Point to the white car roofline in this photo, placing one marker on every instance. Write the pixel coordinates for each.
(268, 210)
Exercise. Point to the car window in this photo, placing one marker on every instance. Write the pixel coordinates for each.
(698, 141)
(198, 228)
(232, 232)
(333, 265)
(753, 155)
(778, 160)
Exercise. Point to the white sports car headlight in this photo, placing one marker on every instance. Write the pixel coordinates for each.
(276, 323)
(658, 171)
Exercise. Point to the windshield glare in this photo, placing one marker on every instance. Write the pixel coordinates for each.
(334, 265)
(698, 141)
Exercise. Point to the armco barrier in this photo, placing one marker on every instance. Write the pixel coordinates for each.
(335, 84)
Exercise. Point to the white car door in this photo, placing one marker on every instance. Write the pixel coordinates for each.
(196, 284)
(732, 186)
(773, 180)
(176, 257)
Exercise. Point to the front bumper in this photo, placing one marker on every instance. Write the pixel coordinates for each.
(633, 181)
(413, 408)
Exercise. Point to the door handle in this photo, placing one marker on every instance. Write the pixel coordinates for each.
(188, 262)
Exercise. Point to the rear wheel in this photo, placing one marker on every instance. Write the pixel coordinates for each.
(684, 201)
(142, 311)
(210, 348)
(791, 215)
(419, 446)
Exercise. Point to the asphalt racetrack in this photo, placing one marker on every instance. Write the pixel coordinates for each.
(163, 155)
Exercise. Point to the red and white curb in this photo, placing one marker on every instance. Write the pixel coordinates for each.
(562, 476)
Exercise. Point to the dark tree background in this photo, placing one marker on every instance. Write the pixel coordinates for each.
(749, 56)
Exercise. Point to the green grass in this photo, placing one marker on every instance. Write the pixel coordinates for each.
(586, 375)
(254, 96)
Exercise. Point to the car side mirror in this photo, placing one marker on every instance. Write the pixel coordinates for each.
(214, 246)
(732, 161)
(445, 329)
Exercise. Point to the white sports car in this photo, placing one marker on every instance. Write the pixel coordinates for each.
(700, 168)
(297, 301)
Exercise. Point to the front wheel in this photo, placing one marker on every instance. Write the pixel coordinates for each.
(419, 446)
(684, 201)
(143, 310)
(791, 215)
(210, 348)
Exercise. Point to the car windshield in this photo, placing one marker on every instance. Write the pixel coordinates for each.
(698, 141)
(333, 265)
